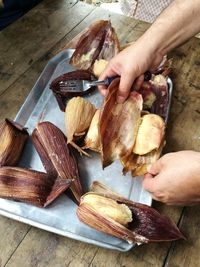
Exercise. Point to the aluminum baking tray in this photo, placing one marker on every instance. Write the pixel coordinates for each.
(60, 217)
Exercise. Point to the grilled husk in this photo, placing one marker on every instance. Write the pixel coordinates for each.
(33, 187)
(63, 94)
(12, 140)
(56, 155)
(147, 225)
(98, 42)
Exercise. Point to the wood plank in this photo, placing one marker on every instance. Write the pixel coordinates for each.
(12, 233)
(186, 253)
(41, 248)
(26, 40)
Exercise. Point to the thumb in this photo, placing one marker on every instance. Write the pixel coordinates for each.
(126, 82)
(148, 182)
(155, 167)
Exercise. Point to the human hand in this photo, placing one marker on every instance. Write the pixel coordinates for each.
(175, 178)
(130, 64)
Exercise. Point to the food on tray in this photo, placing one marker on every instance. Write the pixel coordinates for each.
(125, 219)
(118, 125)
(116, 134)
(34, 187)
(138, 164)
(56, 155)
(155, 95)
(92, 140)
(78, 116)
(60, 91)
(12, 140)
(150, 134)
(99, 66)
(148, 145)
(98, 42)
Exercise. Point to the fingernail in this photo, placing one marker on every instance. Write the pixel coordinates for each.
(120, 99)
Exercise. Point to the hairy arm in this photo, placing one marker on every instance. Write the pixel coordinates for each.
(176, 24)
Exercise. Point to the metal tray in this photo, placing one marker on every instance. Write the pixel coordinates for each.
(60, 217)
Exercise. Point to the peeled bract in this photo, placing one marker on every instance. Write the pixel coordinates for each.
(56, 155)
(119, 124)
(150, 134)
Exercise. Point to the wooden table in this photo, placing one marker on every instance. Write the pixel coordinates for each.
(25, 48)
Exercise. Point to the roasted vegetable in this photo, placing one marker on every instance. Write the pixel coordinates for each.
(60, 92)
(12, 140)
(56, 155)
(155, 95)
(78, 116)
(36, 188)
(150, 134)
(99, 66)
(138, 164)
(118, 125)
(98, 42)
(125, 219)
(92, 140)
(160, 88)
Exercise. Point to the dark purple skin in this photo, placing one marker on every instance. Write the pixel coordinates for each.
(154, 226)
(62, 94)
(149, 223)
(161, 104)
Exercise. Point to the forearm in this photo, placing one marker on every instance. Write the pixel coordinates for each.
(179, 22)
